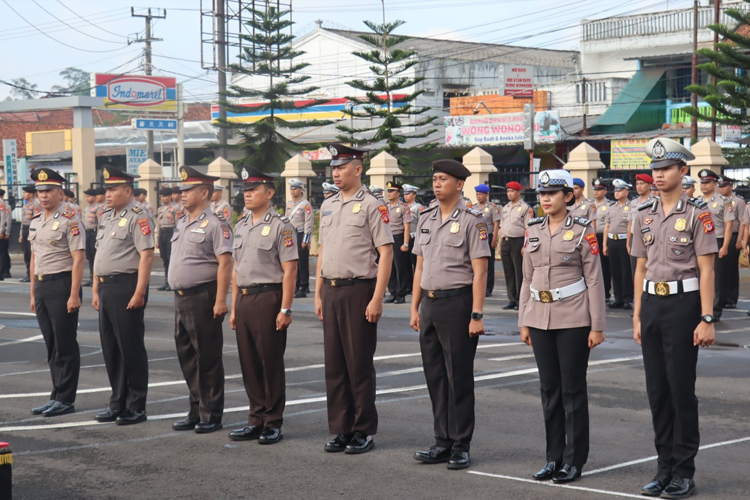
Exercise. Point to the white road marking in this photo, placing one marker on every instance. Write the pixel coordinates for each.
(509, 358)
(550, 484)
(14, 313)
(21, 341)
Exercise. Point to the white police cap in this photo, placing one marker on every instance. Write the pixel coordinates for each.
(554, 180)
(408, 188)
(296, 183)
(666, 152)
(619, 185)
(688, 181)
(329, 188)
(375, 189)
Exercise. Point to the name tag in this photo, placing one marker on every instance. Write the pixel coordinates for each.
(533, 239)
(645, 229)
(327, 212)
(425, 231)
(198, 230)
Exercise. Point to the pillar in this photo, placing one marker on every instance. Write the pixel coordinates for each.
(83, 149)
(383, 168)
(584, 162)
(707, 155)
(479, 162)
(151, 173)
(224, 170)
(296, 167)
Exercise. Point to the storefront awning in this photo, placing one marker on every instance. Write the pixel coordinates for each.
(640, 106)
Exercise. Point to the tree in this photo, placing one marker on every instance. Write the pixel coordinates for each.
(389, 65)
(77, 82)
(23, 89)
(270, 55)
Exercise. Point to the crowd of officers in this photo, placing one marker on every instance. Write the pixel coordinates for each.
(665, 256)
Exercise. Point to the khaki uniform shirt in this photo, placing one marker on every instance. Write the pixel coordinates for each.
(121, 237)
(602, 209)
(552, 261)
(399, 215)
(149, 208)
(195, 248)
(635, 203)
(671, 244)
(448, 246)
(617, 218)
(514, 219)
(722, 212)
(53, 239)
(179, 210)
(30, 210)
(222, 210)
(491, 213)
(740, 207)
(350, 232)
(90, 219)
(586, 209)
(5, 218)
(416, 210)
(102, 207)
(260, 248)
(302, 218)
(166, 217)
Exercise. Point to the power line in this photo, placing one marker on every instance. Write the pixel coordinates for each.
(89, 22)
(73, 27)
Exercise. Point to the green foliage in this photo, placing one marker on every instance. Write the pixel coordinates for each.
(28, 90)
(77, 82)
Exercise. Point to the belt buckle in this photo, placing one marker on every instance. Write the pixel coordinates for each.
(101, 279)
(39, 277)
(244, 291)
(616, 237)
(333, 282)
(431, 294)
(661, 288)
(545, 296)
(180, 293)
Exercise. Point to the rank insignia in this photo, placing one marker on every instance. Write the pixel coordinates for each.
(143, 224)
(708, 223)
(123, 222)
(357, 207)
(383, 213)
(55, 226)
(266, 230)
(568, 236)
(648, 221)
(591, 238)
(680, 224)
(455, 227)
(204, 223)
(288, 241)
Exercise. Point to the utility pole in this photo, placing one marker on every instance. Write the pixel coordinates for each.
(694, 79)
(147, 40)
(221, 42)
(583, 99)
(717, 17)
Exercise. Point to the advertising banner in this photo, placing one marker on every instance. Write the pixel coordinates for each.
(10, 158)
(496, 130)
(136, 156)
(518, 81)
(135, 92)
(629, 154)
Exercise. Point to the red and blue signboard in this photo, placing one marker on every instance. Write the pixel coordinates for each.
(136, 92)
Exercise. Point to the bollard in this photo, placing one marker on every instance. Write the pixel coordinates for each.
(6, 474)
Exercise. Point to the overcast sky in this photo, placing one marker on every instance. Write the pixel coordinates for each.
(93, 34)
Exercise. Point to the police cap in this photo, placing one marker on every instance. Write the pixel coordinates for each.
(342, 154)
(451, 167)
(252, 177)
(46, 179)
(666, 152)
(192, 177)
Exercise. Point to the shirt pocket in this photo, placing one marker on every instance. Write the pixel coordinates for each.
(678, 251)
(353, 228)
(264, 249)
(565, 253)
(454, 248)
(533, 249)
(32, 235)
(194, 244)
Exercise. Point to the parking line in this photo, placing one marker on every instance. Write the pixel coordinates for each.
(21, 341)
(553, 485)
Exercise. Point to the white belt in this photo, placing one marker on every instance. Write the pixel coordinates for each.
(559, 293)
(618, 236)
(670, 287)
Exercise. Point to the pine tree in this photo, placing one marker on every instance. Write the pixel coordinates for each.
(388, 64)
(269, 54)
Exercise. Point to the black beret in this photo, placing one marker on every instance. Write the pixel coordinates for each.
(90, 192)
(29, 188)
(451, 167)
(165, 191)
(101, 191)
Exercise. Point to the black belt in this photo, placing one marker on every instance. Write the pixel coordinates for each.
(255, 290)
(117, 278)
(170, 228)
(335, 282)
(508, 238)
(211, 285)
(442, 294)
(53, 277)
(92, 230)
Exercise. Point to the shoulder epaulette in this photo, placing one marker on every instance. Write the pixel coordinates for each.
(612, 202)
(430, 209)
(536, 220)
(648, 204)
(107, 210)
(474, 211)
(283, 218)
(137, 210)
(493, 204)
(697, 203)
(68, 213)
(36, 215)
(582, 221)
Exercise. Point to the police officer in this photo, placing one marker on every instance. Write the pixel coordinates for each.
(101, 194)
(448, 300)
(735, 245)
(166, 219)
(688, 186)
(329, 190)
(122, 267)
(615, 246)
(5, 226)
(90, 224)
(416, 209)
(57, 255)
(70, 199)
(263, 285)
(723, 218)
(561, 273)
(514, 218)
(140, 196)
(200, 270)
(349, 299)
(31, 208)
(299, 211)
(643, 183)
(400, 221)
(376, 191)
(491, 213)
(219, 206)
(179, 211)
(582, 207)
(602, 207)
(674, 243)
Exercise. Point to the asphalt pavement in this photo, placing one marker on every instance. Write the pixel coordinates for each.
(75, 457)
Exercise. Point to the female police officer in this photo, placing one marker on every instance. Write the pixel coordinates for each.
(561, 274)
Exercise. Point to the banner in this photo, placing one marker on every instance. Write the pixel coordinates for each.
(10, 158)
(518, 81)
(135, 92)
(496, 130)
(136, 156)
(629, 154)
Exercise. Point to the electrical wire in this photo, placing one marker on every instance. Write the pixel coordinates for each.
(73, 27)
(89, 22)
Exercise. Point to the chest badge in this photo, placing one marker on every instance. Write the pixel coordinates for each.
(715, 205)
(648, 221)
(626, 209)
(266, 230)
(204, 223)
(455, 227)
(568, 236)
(603, 209)
(520, 209)
(680, 224)
(649, 238)
(123, 222)
(487, 209)
(356, 208)
(55, 226)
(398, 210)
(583, 207)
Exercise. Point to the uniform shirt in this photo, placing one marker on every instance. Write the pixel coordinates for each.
(179, 210)
(30, 209)
(586, 209)
(618, 217)
(670, 244)
(514, 219)
(350, 232)
(121, 237)
(416, 210)
(448, 246)
(166, 216)
(5, 218)
(602, 209)
(722, 212)
(635, 203)
(552, 261)
(102, 207)
(90, 219)
(222, 210)
(399, 215)
(739, 206)
(491, 213)
(195, 248)
(53, 239)
(302, 217)
(260, 248)
(149, 208)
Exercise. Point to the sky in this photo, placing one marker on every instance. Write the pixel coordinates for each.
(39, 38)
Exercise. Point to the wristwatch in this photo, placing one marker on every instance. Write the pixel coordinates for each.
(708, 319)
(477, 316)
(288, 312)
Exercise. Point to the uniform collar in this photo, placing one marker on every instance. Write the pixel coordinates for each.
(359, 195)
(202, 216)
(267, 216)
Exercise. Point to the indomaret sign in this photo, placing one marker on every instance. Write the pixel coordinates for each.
(135, 92)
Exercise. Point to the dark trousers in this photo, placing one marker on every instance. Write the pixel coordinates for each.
(26, 247)
(91, 249)
(165, 249)
(303, 265)
(261, 347)
(510, 253)
(413, 262)
(448, 361)
(398, 284)
(606, 270)
(199, 339)
(732, 282)
(60, 329)
(491, 266)
(349, 344)
(122, 331)
(721, 268)
(562, 358)
(4, 257)
(670, 359)
(622, 276)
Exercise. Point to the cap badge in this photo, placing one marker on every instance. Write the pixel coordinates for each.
(658, 152)
(568, 235)
(333, 151)
(357, 207)
(105, 173)
(544, 178)
(680, 224)
(183, 174)
(42, 176)
(266, 230)
(245, 176)
(455, 227)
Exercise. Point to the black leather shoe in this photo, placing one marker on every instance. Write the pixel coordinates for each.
(270, 436)
(249, 433)
(730, 306)
(58, 409)
(131, 417)
(488, 294)
(435, 455)
(338, 444)
(300, 294)
(26, 280)
(359, 443)
(162, 288)
(567, 474)
(107, 416)
(390, 300)
(186, 424)
(547, 472)
(509, 306)
(615, 305)
(40, 409)
(400, 300)
(627, 306)
(679, 488)
(656, 486)
(459, 460)
(207, 427)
